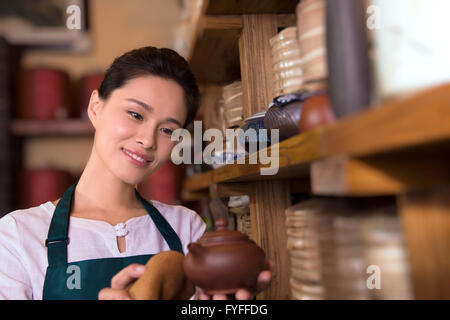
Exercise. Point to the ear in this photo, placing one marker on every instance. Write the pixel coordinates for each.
(94, 108)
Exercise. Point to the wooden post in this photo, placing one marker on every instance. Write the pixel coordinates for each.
(271, 198)
(256, 61)
(267, 214)
(426, 222)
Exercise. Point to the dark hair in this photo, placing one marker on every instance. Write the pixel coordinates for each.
(162, 62)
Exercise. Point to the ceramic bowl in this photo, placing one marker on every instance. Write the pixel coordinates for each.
(255, 122)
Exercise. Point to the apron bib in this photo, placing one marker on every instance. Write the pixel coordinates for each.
(82, 280)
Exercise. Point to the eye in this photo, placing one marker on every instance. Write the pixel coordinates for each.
(135, 115)
(166, 131)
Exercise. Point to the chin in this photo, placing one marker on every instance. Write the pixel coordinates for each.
(134, 179)
(131, 181)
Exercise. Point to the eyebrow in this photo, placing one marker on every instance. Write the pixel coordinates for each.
(150, 109)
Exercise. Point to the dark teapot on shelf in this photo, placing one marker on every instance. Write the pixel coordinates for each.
(224, 261)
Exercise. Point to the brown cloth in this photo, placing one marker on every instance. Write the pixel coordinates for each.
(163, 279)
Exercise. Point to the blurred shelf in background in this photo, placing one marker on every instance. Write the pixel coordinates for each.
(395, 148)
(68, 127)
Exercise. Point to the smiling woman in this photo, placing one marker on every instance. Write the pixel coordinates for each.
(102, 227)
(134, 124)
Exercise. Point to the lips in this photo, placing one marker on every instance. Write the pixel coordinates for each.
(137, 158)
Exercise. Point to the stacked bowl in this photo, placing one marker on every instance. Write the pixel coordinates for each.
(233, 105)
(311, 30)
(286, 61)
(340, 250)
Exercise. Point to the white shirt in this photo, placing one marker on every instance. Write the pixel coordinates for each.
(23, 254)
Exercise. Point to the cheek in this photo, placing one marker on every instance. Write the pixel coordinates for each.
(118, 128)
(165, 146)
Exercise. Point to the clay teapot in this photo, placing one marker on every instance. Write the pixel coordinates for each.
(223, 261)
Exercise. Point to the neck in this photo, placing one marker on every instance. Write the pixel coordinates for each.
(100, 191)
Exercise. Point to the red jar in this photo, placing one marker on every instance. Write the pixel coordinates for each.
(40, 186)
(43, 94)
(164, 185)
(87, 84)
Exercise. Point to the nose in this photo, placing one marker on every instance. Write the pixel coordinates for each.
(146, 138)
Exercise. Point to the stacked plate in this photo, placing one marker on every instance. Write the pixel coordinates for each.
(343, 268)
(221, 122)
(334, 246)
(384, 249)
(286, 60)
(233, 105)
(303, 243)
(243, 222)
(239, 206)
(311, 30)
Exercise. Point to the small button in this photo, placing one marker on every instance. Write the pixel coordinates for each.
(121, 230)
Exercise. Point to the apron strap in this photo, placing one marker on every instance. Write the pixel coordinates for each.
(57, 238)
(163, 226)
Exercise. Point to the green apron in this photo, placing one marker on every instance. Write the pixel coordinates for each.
(82, 280)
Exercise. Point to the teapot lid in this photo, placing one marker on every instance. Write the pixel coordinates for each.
(222, 234)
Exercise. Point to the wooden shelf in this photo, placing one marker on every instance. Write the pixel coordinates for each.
(68, 127)
(401, 148)
(215, 57)
(385, 135)
(403, 122)
(251, 6)
(295, 154)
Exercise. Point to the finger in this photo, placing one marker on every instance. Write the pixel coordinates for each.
(219, 297)
(271, 265)
(127, 275)
(265, 276)
(243, 294)
(264, 279)
(113, 294)
(203, 296)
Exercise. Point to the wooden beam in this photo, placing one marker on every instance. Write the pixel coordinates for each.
(222, 22)
(256, 61)
(199, 181)
(268, 219)
(426, 224)
(251, 6)
(286, 20)
(187, 195)
(399, 123)
(224, 190)
(271, 198)
(385, 174)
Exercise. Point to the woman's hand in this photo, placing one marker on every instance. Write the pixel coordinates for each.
(263, 283)
(120, 283)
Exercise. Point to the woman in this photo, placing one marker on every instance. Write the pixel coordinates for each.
(94, 241)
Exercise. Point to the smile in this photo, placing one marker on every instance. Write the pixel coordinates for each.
(136, 159)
